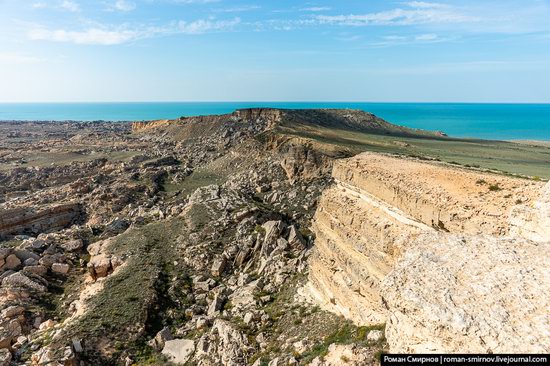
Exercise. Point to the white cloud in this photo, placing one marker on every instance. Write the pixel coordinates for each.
(425, 5)
(238, 9)
(39, 5)
(398, 17)
(123, 5)
(316, 8)
(426, 37)
(90, 36)
(397, 40)
(203, 26)
(345, 37)
(70, 6)
(194, 1)
(103, 35)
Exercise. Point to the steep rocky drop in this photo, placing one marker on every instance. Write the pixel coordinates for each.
(444, 256)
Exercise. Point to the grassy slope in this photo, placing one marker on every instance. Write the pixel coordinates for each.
(506, 157)
(128, 300)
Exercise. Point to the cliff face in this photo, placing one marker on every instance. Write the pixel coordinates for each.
(31, 221)
(474, 293)
(268, 118)
(263, 117)
(533, 222)
(358, 238)
(453, 200)
(427, 249)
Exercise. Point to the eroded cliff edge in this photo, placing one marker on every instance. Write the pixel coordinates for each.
(450, 259)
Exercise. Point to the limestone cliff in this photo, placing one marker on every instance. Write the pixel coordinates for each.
(533, 222)
(428, 250)
(464, 293)
(31, 221)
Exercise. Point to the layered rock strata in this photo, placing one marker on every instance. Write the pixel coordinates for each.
(31, 221)
(432, 251)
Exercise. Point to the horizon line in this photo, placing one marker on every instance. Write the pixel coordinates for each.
(268, 101)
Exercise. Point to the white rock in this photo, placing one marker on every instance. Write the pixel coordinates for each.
(375, 335)
(179, 351)
(469, 294)
(62, 268)
(5, 357)
(533, 223)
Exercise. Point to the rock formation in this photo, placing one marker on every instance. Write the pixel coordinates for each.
(191, 240)
(533, 222)
(32, 221)
(430, 250)
(450, 293)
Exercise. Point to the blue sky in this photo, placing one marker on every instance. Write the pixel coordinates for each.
(252, 50)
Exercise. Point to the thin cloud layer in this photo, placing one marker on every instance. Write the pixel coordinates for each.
(70, 6)
(123, 5)
(417, 13)
(90, 36)
(446, 20)
(113, 36)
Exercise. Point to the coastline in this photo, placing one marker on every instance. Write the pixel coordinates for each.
(462, 120)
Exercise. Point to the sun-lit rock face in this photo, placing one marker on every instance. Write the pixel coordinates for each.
(33, 221)
(431, 251)
(357, 242)
(471, 293)
(533, 222)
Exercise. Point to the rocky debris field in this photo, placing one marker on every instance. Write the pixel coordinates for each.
(248, 239)
(172, 242)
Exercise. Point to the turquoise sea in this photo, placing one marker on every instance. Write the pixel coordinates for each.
(489, 121)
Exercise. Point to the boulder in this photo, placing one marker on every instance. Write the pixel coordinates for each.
(95, 248)
(20, 280)
(179, 351)
(4, 252)
(72, 245)
(218, 266)
(61, 268)
(296, 240)
(242, 256)
(30, 262)
(12, 262)
(273, 230)
(233, 346)
(24, 254)
(375, 335)
(46, 324)
(49, 259)
(351, 353)
(37, 270)
(161, 338)
(5, 338)
(77, 346)
(12, 311)
(216, 305)
(100, 266)
(205, 194)
(5, 357)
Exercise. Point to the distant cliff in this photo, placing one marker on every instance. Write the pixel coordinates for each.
(268, 118)
(36, 221)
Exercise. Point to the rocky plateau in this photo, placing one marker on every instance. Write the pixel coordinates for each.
(259, 238)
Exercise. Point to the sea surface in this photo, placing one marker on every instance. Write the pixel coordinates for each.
(488, 121)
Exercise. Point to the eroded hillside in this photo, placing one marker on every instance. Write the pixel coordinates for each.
(189, 241)
(435, 253)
